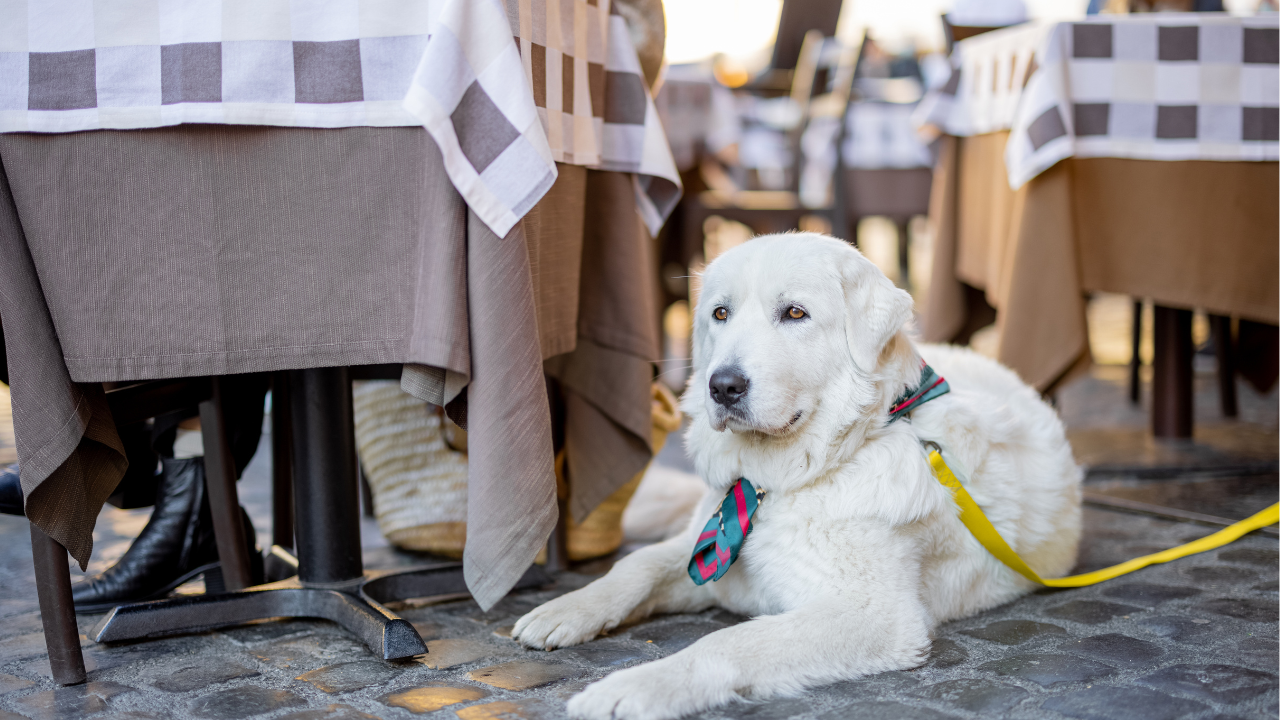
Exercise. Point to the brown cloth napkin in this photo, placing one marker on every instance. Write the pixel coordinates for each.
(606, 379)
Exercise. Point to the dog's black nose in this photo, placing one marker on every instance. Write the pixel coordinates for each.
(728, 386)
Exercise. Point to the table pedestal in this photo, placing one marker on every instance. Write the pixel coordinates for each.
(1172, 374)
(331, 582)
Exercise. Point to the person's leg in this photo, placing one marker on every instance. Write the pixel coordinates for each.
(137, 489)
(178, 544)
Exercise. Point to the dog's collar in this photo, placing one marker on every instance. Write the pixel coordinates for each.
(932, 385)
(722, 537)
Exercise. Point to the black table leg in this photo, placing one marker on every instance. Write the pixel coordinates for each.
(1135, 359)
(326, 494)
(330, 584)
(1224, 345)
(1171, 391)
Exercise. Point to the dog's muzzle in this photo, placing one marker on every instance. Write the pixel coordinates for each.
(728, 386)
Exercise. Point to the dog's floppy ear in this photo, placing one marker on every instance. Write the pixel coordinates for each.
(875, 310)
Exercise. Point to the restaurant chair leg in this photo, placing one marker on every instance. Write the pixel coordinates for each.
(1224, 346)
(57, 613)
(281, 462)
(1135, 358)
(224, 503)
(1171, 387)
(904, 253)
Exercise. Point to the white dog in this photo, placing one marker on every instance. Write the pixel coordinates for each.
(856, 552)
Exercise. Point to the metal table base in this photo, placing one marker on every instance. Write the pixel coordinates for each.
(331, 583)
(357, 608)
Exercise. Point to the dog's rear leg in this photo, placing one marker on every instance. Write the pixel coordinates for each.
(652, 579)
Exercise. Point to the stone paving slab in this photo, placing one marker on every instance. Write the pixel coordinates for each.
(1194, 639)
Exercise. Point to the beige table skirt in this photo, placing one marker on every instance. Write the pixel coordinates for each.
(1193, 234)
(203, 250)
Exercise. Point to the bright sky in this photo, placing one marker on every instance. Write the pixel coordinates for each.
(697, 29)
(898, 21)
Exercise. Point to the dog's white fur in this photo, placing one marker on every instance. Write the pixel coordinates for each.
(857, 552)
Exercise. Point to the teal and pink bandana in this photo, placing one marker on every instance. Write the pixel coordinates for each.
(722, 537)
(932, 385)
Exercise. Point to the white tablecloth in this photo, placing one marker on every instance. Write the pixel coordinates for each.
(1194, 86)
(1161, 86)
(505, 91)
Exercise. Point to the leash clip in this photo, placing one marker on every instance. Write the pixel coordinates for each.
(931, 445)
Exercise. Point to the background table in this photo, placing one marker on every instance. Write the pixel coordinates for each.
(1161, 215)
(1185, 234)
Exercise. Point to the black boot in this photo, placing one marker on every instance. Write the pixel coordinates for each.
(176, 546)
(10, 491)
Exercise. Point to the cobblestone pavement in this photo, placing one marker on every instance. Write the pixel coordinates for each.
(1193, 639)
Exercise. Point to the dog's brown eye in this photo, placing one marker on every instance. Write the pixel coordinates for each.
(721, 313)
(795, 313)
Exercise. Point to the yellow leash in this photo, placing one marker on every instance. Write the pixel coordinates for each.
(973, 518)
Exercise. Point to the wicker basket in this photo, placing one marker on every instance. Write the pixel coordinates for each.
(419, 479)
(600, 533)
(419, 483)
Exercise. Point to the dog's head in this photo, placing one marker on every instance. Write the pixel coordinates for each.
(790, 328)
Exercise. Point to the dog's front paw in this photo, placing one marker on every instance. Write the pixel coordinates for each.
(657, 691)
(568, 620)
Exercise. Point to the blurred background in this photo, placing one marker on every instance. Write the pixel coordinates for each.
(846, 118)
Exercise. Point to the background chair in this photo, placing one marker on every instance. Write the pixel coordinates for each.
(778, 210)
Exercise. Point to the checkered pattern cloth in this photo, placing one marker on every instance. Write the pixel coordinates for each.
(449, 65)
(469, 91)
(563, 46)
(635, 142)
(592, 98)
(1154, 87)
(1196, 86)
(988, 73)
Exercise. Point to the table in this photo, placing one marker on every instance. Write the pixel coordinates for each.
(244, 249)
(1140, 216)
